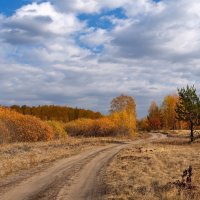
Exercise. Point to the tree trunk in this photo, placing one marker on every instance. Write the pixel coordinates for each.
(191, 131)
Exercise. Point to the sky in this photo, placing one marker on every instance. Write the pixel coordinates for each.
(86, 52)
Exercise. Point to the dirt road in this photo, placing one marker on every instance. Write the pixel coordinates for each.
(74, 178)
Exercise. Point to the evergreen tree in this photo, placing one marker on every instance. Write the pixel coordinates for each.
(188, 108)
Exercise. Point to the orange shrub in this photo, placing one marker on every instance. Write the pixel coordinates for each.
(89, 127)
(83, 127)
(58, 129)
(4, 133)
(105, 127)
(15, 127)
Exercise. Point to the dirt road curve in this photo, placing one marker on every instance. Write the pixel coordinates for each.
(74, 178)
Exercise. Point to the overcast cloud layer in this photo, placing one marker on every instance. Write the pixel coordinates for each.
(85, 52)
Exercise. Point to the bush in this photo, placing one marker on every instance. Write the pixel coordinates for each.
(4, 133)
(58, 129)
(116, 124)
(105, 127)
(15, 127)
(96, 128)
(83, 127)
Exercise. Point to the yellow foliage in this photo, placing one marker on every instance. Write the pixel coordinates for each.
(168, 111)
(144, 125)
(125, 122)
(15, 127)
(88, 127)
(105, 127)
(123, 114)
(81, 127)
(119, 123)
(58, 129)
(4, 133)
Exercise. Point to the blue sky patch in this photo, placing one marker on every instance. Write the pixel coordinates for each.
(99, 20)
(8, 7)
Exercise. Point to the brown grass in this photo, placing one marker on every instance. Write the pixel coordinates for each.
(20, 156)
(145, 170)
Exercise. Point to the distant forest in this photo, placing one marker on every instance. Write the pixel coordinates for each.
(58, 113)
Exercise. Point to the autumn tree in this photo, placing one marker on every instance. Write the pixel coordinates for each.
(154, 116)
(168, 111)
(57, 113)
(188, 108)
(123, 112)
(143, 124)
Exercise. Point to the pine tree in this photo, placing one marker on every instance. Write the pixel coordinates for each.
(188, 108)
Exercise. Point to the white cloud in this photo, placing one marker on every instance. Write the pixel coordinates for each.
(35, 22)
(149, 54)
(96, 37)
(87, 6)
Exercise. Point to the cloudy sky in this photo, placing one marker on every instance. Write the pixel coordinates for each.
(85, 52)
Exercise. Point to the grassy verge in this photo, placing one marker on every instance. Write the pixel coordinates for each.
(145, 170)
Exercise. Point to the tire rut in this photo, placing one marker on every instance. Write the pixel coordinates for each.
(74, 178)
(46, 185)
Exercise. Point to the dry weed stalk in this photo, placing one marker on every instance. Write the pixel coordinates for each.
(186, 181)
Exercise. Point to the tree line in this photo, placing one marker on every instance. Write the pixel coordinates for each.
(178, 111)
(163, 116)
(121, 121)
(56, 113)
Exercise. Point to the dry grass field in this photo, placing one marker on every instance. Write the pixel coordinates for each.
(21, 156)
(146, 171)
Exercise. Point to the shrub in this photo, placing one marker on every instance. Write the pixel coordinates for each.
(80, 127)
(15, 127)
(116, 124)
(105, 127)
(96, 128)
(58, 129)
(4, 133)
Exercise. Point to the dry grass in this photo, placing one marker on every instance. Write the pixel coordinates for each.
(144, 171)
(15, 157)
(177, 133)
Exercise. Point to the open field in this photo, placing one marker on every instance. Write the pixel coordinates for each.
(144, 171)
(100, 169)
(176, 133)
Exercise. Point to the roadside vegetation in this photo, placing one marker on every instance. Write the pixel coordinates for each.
(154, 171)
